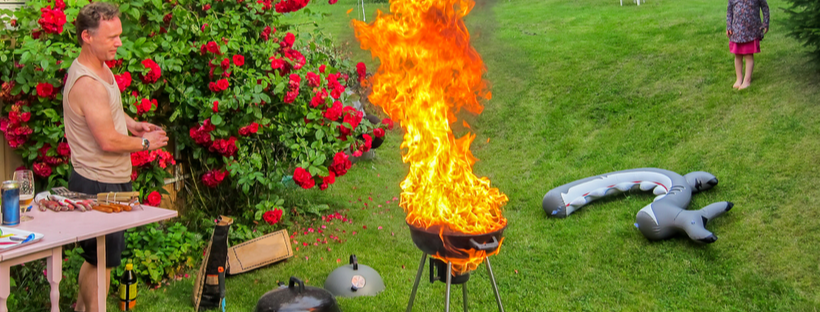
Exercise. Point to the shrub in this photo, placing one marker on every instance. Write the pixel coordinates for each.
(804, 24)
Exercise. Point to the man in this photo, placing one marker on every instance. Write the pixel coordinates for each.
(97, 131)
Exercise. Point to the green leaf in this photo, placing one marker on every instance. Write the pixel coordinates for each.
(319, 134)
(135, 13)
(174, 116)
(157, 3)
(320, 160)
(216, 120)
(44, 65)
(124, 7)
(279, 88)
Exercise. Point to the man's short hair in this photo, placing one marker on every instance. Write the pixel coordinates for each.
(90, 16)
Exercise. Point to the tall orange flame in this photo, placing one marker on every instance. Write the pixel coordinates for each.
(429, 72)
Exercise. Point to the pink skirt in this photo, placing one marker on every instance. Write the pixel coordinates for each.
(750, 47)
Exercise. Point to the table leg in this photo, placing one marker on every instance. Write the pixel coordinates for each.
(101, 289)
(54, 265)
(5, 286)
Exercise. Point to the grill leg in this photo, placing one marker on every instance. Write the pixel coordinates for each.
(464, 290)
(495, 287)
(449, 279)
(416, 285)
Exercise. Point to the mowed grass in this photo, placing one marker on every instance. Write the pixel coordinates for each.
(582, 88)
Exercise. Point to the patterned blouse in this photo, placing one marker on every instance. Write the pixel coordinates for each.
(743, 19)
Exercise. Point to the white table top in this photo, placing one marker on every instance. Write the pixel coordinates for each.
(66, 227)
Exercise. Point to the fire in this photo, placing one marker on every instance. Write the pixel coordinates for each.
(428, 73)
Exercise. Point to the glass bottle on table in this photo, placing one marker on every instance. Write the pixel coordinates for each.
(26, 180)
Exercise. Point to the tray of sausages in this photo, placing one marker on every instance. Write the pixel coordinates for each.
(58, 203)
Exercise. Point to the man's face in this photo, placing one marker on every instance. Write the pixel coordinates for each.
(106, 39)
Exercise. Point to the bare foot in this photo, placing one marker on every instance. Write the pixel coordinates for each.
(737, 84)
(744, 85)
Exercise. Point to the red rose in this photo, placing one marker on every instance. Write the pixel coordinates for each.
(288, 41)
(44, 89)
(42, 170)
(388, 122)
(277, 63)
(153, 199)
(249, 129)
(361, 69)
(294, 82)
(352, 117)
(378, 132)
(63, 149)
(286, 6)
(303, 178)
(59, 4)
(332, 1)
(202, 48)
(25, 117)
(123, 81)
(154, 72)
(134, 175)
(272, 216)
(206, 7)
(213, 47)
(322, 68)
(265, 35)
(226, 63)
(297, 57)
(53, 161)
(214, 177)
(368, 142)
(238, 60)
(164, 158)
(318, 99)
(51, 20)
(330, 178)
(224, 147)
(222, 84)
(337, 91)
(334, 112)
(216, 106)
(290, 96)
(167, 17)
(340, 164)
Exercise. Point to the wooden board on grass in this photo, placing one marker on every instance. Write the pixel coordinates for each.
(259, 252)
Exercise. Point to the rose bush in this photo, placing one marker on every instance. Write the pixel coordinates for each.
(246, 99)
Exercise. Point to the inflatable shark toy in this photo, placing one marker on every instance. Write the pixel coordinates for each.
(663, 218)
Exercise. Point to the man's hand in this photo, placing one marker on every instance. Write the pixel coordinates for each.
(765, 30)
(729, 33)
(156, 139)
(139, 129)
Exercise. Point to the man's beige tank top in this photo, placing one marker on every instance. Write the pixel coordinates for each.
(88, 159)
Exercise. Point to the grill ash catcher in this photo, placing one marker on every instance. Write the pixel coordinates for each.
(430, 242)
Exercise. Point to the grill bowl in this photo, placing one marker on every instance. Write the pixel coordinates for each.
(430, 241)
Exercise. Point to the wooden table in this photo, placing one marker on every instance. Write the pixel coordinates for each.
(61, 228)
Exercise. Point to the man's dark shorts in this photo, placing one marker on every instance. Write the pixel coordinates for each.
(114, 242)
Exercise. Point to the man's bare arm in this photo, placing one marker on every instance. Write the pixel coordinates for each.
(91, 97)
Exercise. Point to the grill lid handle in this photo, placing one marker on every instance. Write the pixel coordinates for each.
(355, 262)
(487, 246)
(294, 280)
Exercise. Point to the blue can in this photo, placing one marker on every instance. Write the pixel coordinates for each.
(11, 203)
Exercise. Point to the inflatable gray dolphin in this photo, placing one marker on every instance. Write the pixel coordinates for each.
(661, 219)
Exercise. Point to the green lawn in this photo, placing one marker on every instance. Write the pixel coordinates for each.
(583, 88)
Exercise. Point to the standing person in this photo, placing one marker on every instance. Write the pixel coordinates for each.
(745, 30)
(97, 131)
